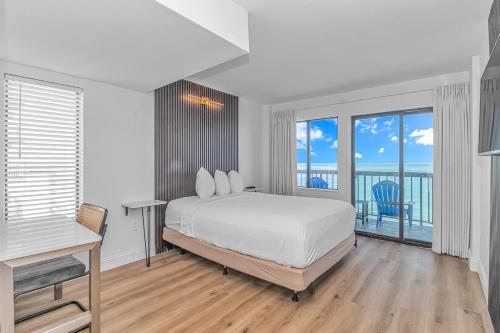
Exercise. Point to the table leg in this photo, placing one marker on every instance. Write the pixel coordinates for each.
(94, 288)
(149, 238)
(6, 298)
(146, 230)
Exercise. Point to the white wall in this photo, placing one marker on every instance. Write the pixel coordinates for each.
(481, 177)
(481, 172)
(404, 95)
(117, 156)
(250, 142)
(401, 96)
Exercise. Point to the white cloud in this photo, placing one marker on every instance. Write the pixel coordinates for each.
(313, 153)
(387, 125)
(301, 135)
(301, 145)
(358, 155)
(328, 139)
(335, 144)
(423, 136)
(393, 138)
(333, 120)
(316, 134)
(368, 126)
(381, 150)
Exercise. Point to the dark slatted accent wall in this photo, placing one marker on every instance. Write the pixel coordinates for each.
(189, 135)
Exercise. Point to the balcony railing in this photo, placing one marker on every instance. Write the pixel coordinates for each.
(330, 176)
(418, 188)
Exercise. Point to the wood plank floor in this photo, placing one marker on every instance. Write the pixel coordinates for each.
(379, 287)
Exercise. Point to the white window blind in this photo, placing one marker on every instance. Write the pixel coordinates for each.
(42, 150)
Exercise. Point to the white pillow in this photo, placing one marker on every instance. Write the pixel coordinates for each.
(221, 183)
(205, 185)
(236, 182)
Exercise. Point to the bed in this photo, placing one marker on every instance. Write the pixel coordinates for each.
(289, 241)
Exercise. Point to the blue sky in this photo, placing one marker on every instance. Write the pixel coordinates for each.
(324, 141)
(377, 140)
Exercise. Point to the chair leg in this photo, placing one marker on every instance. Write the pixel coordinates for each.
(58, 291)
(54, 308)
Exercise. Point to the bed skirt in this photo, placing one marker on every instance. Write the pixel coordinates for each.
(296, 279)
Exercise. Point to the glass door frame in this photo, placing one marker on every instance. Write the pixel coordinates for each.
(400, 114)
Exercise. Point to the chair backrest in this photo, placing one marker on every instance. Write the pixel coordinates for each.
(317, 182)
(93, 218)
(386, 195)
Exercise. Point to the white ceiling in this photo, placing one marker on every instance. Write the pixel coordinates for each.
(137, 44)
(303, 48)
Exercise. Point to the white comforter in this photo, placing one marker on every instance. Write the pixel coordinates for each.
(291, 231)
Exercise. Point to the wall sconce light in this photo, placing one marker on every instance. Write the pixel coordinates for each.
(205, 100)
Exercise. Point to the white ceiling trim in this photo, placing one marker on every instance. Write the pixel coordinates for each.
(224, 18)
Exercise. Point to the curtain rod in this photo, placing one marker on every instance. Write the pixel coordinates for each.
(362, 99)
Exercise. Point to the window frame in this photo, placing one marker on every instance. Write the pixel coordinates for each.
(77, 162)
(308, 151)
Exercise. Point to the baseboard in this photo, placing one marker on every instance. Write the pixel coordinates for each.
(484, 279)
(122, 259)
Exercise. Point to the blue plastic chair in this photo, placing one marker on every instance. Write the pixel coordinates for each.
(317, 182)
(386, 195)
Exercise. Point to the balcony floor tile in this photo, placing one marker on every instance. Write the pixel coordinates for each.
(390, 227)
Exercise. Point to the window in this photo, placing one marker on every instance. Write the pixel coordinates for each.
(317, 145)
(42, 164)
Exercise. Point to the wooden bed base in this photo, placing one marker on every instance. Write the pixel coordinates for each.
(296, 279)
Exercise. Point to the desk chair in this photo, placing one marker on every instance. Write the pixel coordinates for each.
(55, 271)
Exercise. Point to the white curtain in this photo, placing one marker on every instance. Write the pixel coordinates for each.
(452, 170)
(283, 163)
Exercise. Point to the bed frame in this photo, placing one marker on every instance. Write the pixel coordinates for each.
(296, 279)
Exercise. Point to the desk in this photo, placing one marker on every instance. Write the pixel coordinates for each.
(25, 243)
(142, 205)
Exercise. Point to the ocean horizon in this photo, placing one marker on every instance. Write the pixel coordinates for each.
(388, 167)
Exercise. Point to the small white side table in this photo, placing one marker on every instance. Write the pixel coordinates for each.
(142, 205)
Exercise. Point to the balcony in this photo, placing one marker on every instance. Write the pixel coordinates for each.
(418, 190)
(329, 176)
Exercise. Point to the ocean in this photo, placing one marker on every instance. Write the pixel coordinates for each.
(417, 183)
(390, 167)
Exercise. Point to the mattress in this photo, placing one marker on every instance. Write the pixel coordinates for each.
(289, 230)
(174, 211)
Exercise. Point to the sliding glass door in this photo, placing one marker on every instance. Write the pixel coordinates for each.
(417, 164)
(392, 175)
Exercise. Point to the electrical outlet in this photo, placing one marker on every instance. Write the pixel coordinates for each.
(135, 225)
